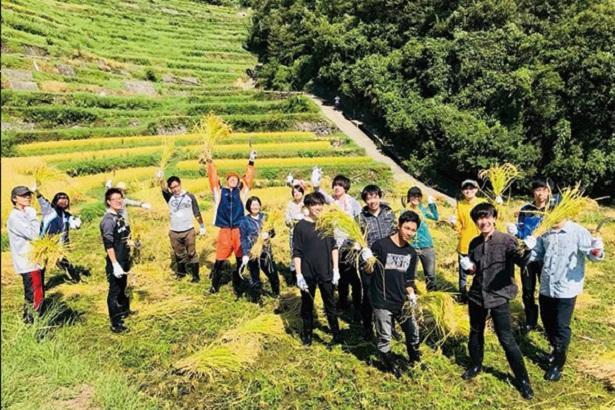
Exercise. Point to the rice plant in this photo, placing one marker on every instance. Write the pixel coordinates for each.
(166, 152)
(211, 129)
(48, 250)
(572, 203)
(500, 177)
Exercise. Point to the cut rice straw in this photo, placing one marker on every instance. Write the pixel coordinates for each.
(48, 250)
(500, 177)
(44, 173)
(572, 203)
(211, 129)
(167, 152)
(272, 219)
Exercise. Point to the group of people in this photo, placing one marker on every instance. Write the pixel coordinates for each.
(378, 291)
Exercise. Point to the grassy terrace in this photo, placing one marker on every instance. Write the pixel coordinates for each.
(106, 84)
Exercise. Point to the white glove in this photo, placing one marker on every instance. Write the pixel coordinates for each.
(431, 200)
(265, 235)
(412, 298)
(301, 283)
(512, 229)
(452, 220)
(499, 200)
(159, 174)
(74, 222)
(316, 175)
(467, 264)
(202, 230)
(252, 156)
(108, 184)
(118, 272)
(244, 260)
(145, 205)
(289, 179)
(336, 277)
(366, 253)
(598, 244)
(530, 242)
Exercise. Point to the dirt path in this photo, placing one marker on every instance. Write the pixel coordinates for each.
(360, 138)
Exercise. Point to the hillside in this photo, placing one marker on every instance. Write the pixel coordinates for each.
(96, 91)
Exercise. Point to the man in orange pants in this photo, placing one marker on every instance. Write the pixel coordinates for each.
(228, 213)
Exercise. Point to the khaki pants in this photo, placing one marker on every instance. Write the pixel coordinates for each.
(184, 246)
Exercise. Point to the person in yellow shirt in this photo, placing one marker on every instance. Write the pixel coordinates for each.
(465, 227)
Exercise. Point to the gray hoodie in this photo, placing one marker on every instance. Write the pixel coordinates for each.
(23, 227)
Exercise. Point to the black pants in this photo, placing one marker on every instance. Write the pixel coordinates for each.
(307, 306)
(556, 314)
(265, 262)
(117, 301)
(34, 294)
(530, 274)
(366, 305)
(349, 279)
(503, 329)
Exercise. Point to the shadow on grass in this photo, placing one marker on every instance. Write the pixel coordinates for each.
(58, 313)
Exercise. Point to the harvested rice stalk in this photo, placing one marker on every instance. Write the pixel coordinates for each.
(572, 203)
(211, 129)
(273, 218)
(500, 177)
(333, 221)
(44, 173)
(47, 250)
(167, 152)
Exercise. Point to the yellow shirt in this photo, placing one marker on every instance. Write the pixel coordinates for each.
(465, 226)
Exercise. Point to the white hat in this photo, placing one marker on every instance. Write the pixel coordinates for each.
(469, 182)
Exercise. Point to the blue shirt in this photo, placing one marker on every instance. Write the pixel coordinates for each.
(563, 252)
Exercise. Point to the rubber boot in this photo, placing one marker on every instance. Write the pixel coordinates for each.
(193, 269)
(181, 270)
(237, 279)
(216, 276)
(306, 334)
(389, 363)
(555, 370)
(414, 354)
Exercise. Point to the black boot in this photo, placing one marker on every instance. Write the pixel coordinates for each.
(526, 389)
(389, 363)
(472, 372)
(193, 268)
(414, 354)
(306, 334)
(555, 370)
(216, 274)
(181, 271)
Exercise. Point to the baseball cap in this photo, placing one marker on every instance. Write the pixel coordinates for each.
(471, 182)
(21, 190)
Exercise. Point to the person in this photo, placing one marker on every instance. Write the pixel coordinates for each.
(562, 250)
(377, 221)
(349, 276)
(183, 207)
(529, 218)
(127, 201)
(228, 213)
(491, 259)
(115, 235)
(23, 227)
(57, 220)
(250, 228)
(392, 285)
(316, 266)
(336, 102)
(466, 229)
(423, 243)
(295, 210)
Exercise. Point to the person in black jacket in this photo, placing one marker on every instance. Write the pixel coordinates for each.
(115, 234)
(316, 265)
(491, 260)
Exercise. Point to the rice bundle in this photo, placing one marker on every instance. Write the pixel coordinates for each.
(571, 204)
(47, 250)
(235, 349)
(442, 316)
(43, 173)
(273, 218)
(211, 129)
(333, 221)
(167, 152)
(500, 177)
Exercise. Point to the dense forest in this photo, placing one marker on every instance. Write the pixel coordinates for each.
(458, 85)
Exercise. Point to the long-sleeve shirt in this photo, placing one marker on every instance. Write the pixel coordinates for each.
(55, 221)
(115, 233)
(23, 227)
(249, 229)
(494, 278)
(294, 213)
(377, 226)
(563, 252)
(126, 202)
(346, 202)
(529, 218)
(423, 240)
(228, 203)
(183, 208)
(314, 251)
(465, 226)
